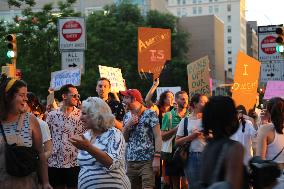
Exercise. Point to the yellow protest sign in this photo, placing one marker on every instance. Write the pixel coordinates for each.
(246, 78)
(154, 49)
(199, 77)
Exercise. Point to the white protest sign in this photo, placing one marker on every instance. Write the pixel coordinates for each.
(174, 90)
(63, 77)
(115, 76)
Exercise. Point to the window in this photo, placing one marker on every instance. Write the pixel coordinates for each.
(183, 2)
(210, 10)
(210, 1)
(193, 1)
(229, 60)
(229, 50)
(178, 12)
(229, 7)
(229, 29)
(199, 10)
(183, 12)
(194, 10)
(178, 2)
(216, 8)
(229, 18)
(229, 39)
(199, 1)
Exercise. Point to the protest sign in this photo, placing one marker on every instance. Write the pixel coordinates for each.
(198, 77)
(160, 90)
(154, 49)
(274, 89)
(63, 77)
(115, 76)
(246, 81)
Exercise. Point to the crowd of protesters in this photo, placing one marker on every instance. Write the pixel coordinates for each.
(119, 141)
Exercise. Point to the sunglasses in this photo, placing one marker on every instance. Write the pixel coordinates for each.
(75, 96)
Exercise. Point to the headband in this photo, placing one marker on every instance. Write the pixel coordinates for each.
(10, 84)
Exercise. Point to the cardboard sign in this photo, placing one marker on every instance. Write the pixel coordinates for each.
(160, 90)
(115, 76)
(274, 89)
(154, 49)
(246, 81)
(63, 77)
(198, 77)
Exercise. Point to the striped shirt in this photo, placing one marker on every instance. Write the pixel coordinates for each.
(93, 174)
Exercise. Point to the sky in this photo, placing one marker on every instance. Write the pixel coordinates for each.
(265, 12)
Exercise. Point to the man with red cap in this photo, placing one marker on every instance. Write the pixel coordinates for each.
(141, 131)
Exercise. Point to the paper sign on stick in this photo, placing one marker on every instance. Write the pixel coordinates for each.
(198, 77)
(160, 90)
(63, 77)
(154, 49)
(246, 81)
(115, 77)
(274, 89)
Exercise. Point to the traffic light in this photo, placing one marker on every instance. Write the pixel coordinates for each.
(280, 39)
(12, 46)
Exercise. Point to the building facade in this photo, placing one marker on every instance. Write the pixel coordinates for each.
(201, 43)
(252, 39)
(232, 14)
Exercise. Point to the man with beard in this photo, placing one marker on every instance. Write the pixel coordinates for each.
(141, 131)
(103, 90)
(170, 121)
(65, 123)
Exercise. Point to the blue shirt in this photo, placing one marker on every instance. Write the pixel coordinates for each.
(141, 145)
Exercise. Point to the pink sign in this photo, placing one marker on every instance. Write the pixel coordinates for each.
(274, 89)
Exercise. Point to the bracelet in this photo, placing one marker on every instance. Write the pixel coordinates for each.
(157, 155)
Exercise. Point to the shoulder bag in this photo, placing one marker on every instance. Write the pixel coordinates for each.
(20, 161)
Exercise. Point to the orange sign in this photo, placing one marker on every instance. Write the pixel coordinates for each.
(154, 49)
(246, 81)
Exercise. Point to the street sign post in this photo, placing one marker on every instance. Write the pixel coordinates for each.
(74, 59)
(272, 62)
(72, 33)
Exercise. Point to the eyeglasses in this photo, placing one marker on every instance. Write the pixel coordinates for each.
(75, 96)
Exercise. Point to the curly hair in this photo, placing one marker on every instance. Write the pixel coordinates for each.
(99, 112)
(163, 96)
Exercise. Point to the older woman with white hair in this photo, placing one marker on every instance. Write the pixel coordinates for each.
(101, 149)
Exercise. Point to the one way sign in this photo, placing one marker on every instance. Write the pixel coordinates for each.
(74, 59)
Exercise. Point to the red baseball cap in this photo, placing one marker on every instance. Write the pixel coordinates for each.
(135, 93)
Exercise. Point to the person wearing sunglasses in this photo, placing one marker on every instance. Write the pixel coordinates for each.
(65, 123)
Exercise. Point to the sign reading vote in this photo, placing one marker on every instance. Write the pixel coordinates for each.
(154, 49)
(72, 33)
(198, 77)
(274, 89)
(63, 77)
(246, 81)
(115, 76)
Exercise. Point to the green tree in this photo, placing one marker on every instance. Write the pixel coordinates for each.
(111, 41)
(37, 42)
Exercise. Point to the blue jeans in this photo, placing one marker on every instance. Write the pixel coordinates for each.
(192, 169)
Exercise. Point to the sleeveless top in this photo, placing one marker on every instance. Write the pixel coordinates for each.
(275, 147)
(24, 138)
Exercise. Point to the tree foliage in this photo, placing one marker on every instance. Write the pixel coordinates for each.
(111, 41)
